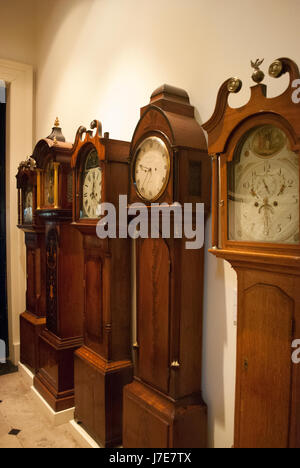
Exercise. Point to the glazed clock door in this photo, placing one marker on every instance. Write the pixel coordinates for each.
(264, 359)
(263, 197)
(154, 313)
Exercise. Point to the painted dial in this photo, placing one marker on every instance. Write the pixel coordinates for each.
(28, 206)
(151, 168)
(263, 182)
(49, 184)
(91, 187)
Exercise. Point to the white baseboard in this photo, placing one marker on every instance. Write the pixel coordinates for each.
(82, 437)
(15, 351)
(26, 374)
(56, 419)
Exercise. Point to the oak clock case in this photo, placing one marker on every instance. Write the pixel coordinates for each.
(255, 151)
(64, 266)
(163, 407)
(33, 319)
(103, 364)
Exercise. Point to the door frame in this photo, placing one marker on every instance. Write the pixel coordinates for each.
(19, 144)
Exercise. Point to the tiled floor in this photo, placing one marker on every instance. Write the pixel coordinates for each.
(18, 410)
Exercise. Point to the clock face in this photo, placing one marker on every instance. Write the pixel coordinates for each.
(28, 206)
(263, 199)
(151, 168)
(91, 187)
(49, 184)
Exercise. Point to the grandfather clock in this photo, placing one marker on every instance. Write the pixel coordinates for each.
(64, 279)
(34, 318)
(255, 151)
(163, 407)
(103, 364)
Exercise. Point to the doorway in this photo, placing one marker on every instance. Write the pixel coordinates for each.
(3, 270)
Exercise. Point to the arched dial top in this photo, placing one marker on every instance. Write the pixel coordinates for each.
(151, 168)
(91, 187)
(263, 189)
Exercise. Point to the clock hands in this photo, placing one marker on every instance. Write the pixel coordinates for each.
(266, 187)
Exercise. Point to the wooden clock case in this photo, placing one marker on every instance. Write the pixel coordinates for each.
(103, 364)
(163, 407)
(64, 280)
(267, 410)
(34, 318)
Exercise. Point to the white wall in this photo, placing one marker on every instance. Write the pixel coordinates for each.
(103, 58)
(17, 30)
(17, 44)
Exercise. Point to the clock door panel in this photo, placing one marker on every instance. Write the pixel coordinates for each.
(154, 313)
(264, 366)
(31, 295)
(93, 302)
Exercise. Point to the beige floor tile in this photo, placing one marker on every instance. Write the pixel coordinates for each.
(9, 442)
(19, 410)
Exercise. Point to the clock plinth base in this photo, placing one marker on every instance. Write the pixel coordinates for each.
(99, 395)
(151, 420)
(55, 377)
(30, 329)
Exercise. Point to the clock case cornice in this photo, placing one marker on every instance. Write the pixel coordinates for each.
(170, 116)
(109, 151)
(225, 129)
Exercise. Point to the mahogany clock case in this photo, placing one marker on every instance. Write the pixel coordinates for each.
(33, 319)
(64, 273)
(163, 407)
(103, 364)
(267, 411)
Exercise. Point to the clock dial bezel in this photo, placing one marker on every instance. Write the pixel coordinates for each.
(25, 193)
(83, 155)
(84, 174)
(135, 152)
(234, 142)
(255, 179)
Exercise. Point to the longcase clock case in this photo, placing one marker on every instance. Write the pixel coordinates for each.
(103, 364)
(255, 151)
(163, 407)
(33, 319)
(64, 273)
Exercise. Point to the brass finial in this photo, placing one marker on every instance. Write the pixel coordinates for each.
(275, 69)
(56, 123)
(234, 85)
(258, 75)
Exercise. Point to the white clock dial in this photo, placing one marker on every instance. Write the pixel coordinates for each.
(264, 190)
(152, 168)
(91, 188)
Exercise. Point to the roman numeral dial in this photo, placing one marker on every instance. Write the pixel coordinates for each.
(152, 168)
(91, 188)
